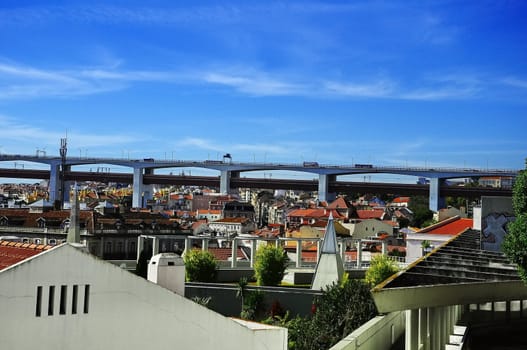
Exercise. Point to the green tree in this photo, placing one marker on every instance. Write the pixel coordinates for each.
(381, 267)
(419, 206)
(270, 264)
(519, 193)
(339, 311)
(200, 266)
(515, 242)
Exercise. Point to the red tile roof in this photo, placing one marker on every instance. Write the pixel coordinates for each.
(223, 254)
(370, 214)
(14, 252)
(451, 226)
(401, 200)
(315, 213)
(339, 203)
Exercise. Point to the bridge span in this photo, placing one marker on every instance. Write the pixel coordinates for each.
(143, 177)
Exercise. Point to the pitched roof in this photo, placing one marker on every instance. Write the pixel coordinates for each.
(452, 226)
(370, 213)
(339, 203)
(14, 252)
(314, 213)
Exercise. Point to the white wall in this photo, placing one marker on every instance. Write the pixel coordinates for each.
(414, 240)
(125, 311)
(379, 333)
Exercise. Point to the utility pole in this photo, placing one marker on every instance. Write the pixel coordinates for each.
(63, 152)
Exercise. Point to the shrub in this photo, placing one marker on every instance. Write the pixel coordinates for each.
(381, 267)
(200, 266)
(270, 264)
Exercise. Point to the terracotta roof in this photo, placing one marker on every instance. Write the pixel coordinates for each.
(401, 200)
(208, 211)
(223, 254)
(314, 213)
(451, 226)
(14, 252)
(339, 203)
(370, 214)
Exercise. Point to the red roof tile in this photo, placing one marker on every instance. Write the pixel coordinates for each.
(452, 226)
(370, 214)
(223, 254)
(14, 252)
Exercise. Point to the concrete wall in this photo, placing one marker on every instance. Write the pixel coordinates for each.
(223, 298)
(380, 333)
(125, 311)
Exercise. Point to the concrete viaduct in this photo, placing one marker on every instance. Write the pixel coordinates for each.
(230, 173)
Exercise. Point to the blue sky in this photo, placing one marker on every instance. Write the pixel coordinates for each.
(421, 83)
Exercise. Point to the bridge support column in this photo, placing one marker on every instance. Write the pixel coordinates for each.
(54, 183)
(225, 180)
(323, 187)
(435, 201)
(148, 190)
(137, 196)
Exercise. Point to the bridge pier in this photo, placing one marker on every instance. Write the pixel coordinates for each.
(435, 201)
(54, 182)
(141, 192)
(225, 180)
(323, 188)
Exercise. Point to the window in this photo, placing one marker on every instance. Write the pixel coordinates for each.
(74, 295)
(86, 298)
(52, 242)
(63, 298)
(51, 300)
(39, 301)
(171, 263)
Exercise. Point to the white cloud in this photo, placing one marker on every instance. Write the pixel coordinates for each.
(374, 89)
(515, 82)
(254, 84)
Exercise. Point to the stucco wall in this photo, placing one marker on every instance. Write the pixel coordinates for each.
(125, 311)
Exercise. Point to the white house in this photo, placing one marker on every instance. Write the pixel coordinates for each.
(65, 298)
(434, 236)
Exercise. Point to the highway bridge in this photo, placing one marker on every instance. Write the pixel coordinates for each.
(230, 175)
(267, 183)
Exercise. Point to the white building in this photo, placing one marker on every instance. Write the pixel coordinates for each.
(433, 236)
(65, 298)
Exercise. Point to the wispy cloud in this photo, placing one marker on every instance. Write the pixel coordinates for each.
(25, 82)
(380, 88)
(515, 82)
(254, 84)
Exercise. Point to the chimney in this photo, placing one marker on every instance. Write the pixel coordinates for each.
(74, 229)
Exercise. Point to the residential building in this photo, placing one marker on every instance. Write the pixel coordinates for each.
(231, 226)
(424, 240)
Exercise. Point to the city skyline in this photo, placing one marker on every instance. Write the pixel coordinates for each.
(401, 83)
